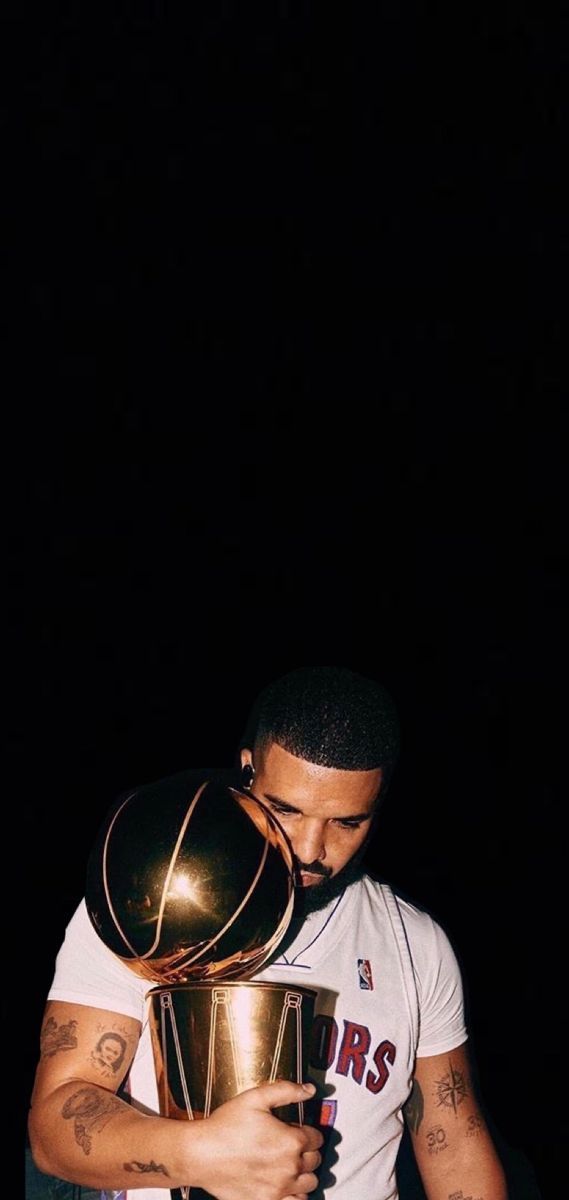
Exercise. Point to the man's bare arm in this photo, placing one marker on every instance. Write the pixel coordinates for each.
(455, 1154)
(82, 1131)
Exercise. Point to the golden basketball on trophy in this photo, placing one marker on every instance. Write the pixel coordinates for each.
(192, 887)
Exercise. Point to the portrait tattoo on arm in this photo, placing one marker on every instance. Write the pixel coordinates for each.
(56, 1037)
(108, 1054)
(414, 1107)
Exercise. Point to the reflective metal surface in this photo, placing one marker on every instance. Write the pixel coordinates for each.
(191, 884)
(211, 1042)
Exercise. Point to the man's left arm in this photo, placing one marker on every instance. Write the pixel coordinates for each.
(455, 1154)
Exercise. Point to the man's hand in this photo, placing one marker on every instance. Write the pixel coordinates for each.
(249, 1154)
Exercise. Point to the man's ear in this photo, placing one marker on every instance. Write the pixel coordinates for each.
(247, 774)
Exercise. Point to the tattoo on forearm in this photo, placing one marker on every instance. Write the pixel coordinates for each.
(109, 1053)
(56, 1037)
(475, 1125)
(436, 1140)
(461, 1196)
(90, 1111)
(414, 1108)
(451, 1090)
(141, 1168)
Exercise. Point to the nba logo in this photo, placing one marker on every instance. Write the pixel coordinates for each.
(364, 974)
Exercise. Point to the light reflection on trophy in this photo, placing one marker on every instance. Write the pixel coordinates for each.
(193, 890)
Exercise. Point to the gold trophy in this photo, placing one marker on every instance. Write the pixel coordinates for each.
(192, 886)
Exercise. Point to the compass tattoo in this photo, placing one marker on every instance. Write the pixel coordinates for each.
(451, 1089)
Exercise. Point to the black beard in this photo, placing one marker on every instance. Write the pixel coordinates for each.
(316, 897)
(319, 895)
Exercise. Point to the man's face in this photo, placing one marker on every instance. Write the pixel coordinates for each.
(327, 813)
(110, 1051)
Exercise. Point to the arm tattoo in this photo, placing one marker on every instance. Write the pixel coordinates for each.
(108, 1054)
(436, 1140)
(54, 1037)
(461, 1196)
(413, 1109)
(145, 1168)
(90, 1111)
(451, 1089)
(475, 1125)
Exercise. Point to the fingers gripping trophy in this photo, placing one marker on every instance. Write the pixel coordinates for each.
(194, 891)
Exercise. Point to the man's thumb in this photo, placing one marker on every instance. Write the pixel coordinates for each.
(273, 1095)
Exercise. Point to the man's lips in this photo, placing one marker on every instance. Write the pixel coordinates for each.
(308, 878)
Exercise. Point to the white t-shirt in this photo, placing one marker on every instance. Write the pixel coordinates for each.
(388, 990)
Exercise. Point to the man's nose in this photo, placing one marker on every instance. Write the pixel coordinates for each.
(309, 845)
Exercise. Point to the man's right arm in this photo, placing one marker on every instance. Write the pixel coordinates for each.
(80, 1130)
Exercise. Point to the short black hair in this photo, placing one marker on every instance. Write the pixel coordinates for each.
(332, 716)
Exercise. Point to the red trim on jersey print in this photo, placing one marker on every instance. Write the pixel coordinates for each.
(364, 974)
(328, 1109)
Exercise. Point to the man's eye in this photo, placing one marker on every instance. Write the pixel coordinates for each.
(349, 824)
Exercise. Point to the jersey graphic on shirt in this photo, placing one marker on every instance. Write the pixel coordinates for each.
(353, 1053)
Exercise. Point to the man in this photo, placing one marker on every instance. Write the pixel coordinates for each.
(388, 1038)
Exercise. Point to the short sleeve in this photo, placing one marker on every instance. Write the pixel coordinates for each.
(87, 972)
(442, 1025)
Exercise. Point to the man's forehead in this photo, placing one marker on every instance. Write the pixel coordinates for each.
(275, 757)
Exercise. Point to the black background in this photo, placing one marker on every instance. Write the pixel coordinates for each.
(289, 392)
